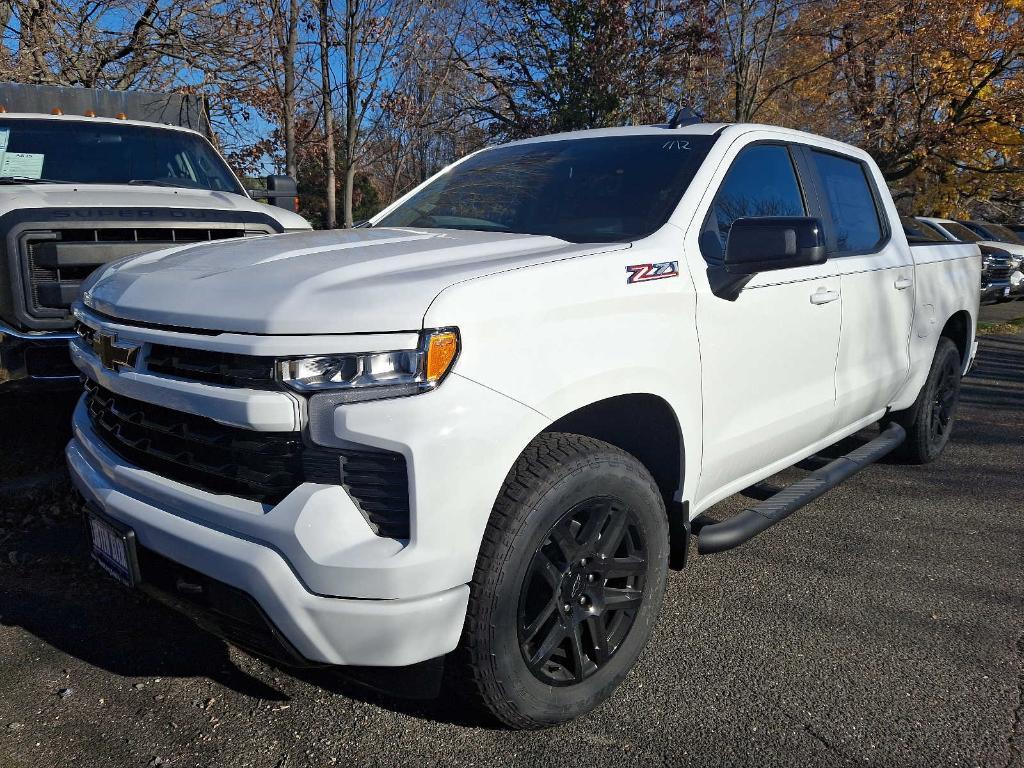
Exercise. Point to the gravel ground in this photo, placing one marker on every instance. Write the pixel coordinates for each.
(881, 625)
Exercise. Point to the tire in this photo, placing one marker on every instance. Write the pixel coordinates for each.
(576, 547)
(929, 421)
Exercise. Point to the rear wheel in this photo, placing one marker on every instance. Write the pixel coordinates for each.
(568, 583)
(929, 421)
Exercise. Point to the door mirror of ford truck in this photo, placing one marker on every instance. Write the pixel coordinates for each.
(763, 244)
(281, 191)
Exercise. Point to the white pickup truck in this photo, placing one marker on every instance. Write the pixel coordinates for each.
(81, 190)
(482, 427)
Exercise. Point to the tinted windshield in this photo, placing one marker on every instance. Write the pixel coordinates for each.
(999, 232)
(103, 153)
(920, 232)
(583, 190)
(960, 232)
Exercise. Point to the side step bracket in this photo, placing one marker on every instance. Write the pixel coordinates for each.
(744, 526)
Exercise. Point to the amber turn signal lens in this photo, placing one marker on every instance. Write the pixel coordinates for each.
(441, 351)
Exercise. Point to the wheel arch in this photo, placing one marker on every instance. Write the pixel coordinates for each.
(645, 426)
(959, 329)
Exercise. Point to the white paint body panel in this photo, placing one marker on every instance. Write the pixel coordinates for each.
(546, 328)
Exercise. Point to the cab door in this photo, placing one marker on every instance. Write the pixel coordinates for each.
(768, 358)
(876, 272)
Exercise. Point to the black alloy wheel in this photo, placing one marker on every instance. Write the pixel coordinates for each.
(582, 591)
(944, 401)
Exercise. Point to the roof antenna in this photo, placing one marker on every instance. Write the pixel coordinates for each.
(684, 116)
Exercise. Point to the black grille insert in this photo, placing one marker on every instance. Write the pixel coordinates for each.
(999, 271)
(262, 466)
(224, 368)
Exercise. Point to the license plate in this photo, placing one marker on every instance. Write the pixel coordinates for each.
(1006, 292)
(113, 547)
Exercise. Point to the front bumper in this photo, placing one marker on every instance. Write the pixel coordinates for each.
(1001, 289)
(321, 629)
(35, 360)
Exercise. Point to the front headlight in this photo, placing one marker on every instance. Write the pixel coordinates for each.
(375, 375)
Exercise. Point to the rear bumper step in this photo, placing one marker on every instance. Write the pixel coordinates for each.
(740, 528)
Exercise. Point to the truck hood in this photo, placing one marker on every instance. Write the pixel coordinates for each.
(21, 196)
(353, 281)
(1012, 248)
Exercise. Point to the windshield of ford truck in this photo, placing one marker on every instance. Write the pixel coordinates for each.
(80, 152)
(605, 189)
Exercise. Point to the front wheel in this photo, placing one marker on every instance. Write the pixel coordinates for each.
(929, 421)
(568, 582)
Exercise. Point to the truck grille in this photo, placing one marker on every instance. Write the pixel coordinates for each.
(262, 466)
(58, 260)
(999, 271)
(224, 368)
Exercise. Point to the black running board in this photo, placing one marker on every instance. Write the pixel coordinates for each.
(741, 528)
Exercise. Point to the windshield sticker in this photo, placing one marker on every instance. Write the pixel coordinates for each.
(642, 273)
(5, 136)
(22, 165)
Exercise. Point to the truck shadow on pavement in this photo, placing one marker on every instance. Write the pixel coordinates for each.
(54, 593)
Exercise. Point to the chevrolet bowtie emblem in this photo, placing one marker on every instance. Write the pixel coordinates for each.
(113, 355)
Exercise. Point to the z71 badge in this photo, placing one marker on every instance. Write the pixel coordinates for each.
(641, 273)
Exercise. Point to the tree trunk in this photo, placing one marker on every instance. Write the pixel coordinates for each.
(290, 50)
(351, 102)
(330, 214)
(350, 182)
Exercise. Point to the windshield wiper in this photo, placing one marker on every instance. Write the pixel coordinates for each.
(161, 183)
(34, 180)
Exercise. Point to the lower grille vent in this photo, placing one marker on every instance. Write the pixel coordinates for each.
(262, 466)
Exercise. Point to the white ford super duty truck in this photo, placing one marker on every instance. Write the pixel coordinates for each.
(481, 427)
(79, 190)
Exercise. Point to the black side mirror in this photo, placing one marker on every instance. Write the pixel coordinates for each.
(281, 191)
(762, 244)
(773, 242)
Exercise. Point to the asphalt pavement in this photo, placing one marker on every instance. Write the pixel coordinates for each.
(882, 625)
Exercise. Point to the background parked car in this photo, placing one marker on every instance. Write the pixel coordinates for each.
(1004, 235)
(1001, 277)
(989, 231)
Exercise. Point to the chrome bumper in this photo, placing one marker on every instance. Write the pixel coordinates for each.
(35, 360)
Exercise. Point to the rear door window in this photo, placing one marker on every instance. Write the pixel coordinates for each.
(857, 227)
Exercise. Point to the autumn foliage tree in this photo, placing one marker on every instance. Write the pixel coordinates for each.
(932, 89)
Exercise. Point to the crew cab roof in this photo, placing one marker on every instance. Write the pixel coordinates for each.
(699, 129)
(694, 129)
